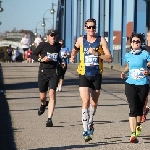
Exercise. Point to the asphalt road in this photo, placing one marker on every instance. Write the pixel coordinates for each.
(22, 129)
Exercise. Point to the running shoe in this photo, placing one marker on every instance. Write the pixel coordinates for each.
(57, 89)
(138, 130)
(86, 136)
(147, 109)
(133, 138)
(42, 108)
(60, 89)
(145, 114)
(143, 118)
(90, 128)
(49, 123)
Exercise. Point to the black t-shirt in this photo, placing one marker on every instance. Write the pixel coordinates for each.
(9, 51)
(52, 51)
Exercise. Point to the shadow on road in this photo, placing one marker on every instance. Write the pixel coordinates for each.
(6, 131)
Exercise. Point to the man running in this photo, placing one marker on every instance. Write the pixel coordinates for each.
(93, 50)
(48, 73)
(64, 55)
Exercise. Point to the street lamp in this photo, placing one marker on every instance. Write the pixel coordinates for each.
(36, 28)
(1, 9)
(52, 11)
(44, 24)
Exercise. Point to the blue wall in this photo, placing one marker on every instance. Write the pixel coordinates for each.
(76, 12)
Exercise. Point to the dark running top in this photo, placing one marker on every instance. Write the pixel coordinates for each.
(51, 51)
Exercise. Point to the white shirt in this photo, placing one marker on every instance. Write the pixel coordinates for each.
(37, 41)
(16, 52)
(25, 42)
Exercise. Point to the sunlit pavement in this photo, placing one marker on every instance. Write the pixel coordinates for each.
(27, 130)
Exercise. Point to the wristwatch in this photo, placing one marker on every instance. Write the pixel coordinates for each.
(99, 54)
(39, 59)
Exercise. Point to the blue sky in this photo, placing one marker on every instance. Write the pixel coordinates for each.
(25, 14)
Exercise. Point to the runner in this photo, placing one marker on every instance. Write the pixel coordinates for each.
(146, 107)
(93, 50)
(136, 85)
(48, 73)
(64, 55)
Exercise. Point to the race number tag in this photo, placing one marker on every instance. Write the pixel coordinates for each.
(137, 73)
(52, 56)
(91, 60)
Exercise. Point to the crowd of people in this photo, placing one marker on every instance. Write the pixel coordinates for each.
(93, 50)
(24, 52)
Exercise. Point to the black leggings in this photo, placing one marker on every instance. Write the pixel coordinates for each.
(136, 97)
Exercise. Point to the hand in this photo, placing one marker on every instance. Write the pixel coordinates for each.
(91, 51)
(145, 72)
(122, 75)
(63, 65)
(45, 59)
(72, 59)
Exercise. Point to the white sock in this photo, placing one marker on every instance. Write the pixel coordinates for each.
(59, 87)
(85, 119)
(91, 113)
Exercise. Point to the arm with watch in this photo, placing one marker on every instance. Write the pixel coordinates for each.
(126, 70)
(107, 55)
(102, 56)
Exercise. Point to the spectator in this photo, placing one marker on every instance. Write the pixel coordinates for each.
(37, 40)
(15, 57)
(64, 55)
(29, 53)
(9, 53)
(25, 44)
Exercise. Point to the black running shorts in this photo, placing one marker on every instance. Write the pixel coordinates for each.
(46, 81)
(93, 82)
(63, 71)
(25, 49)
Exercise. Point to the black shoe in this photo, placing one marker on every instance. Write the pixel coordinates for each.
(42, 108)
(49, 123)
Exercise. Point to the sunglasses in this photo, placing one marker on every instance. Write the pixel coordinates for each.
(53, 34)
(91, 27)
(136, 41)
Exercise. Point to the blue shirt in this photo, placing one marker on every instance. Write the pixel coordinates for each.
(63, 53)
(137, 64)
(91, 62)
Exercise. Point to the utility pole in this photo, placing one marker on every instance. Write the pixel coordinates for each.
(1, 10)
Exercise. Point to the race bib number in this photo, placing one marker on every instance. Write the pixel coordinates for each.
(137, 73)
(91, 60)
(52, 56)
(63, 54)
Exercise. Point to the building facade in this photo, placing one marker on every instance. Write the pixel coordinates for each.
(72, 14)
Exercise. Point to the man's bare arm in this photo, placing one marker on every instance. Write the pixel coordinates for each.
(107, 55)
(75, 50)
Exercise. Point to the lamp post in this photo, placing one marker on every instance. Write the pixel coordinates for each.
(44, 24)
(1, 10)
(36, 28)
(52, 11)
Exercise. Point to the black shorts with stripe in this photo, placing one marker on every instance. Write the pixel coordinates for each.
(47, 80)
(93, 82)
